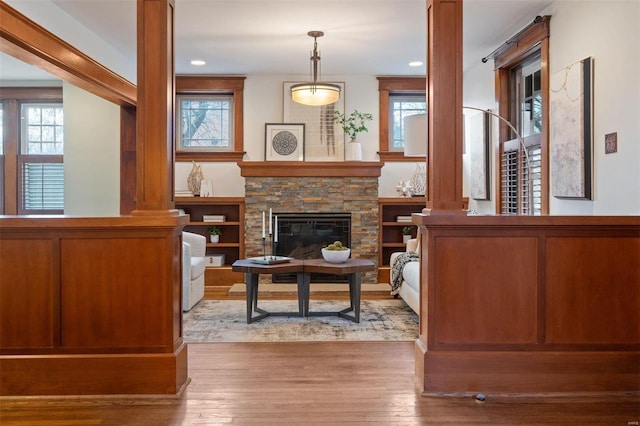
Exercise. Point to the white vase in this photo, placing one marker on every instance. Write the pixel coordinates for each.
(354, 151)
(419, 180)
(406, 238)
(214, 238)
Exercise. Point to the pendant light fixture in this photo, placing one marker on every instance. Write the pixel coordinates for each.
(315, 93)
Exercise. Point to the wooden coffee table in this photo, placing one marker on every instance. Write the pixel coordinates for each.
(252, 273)
(303, 269)
(352, 268)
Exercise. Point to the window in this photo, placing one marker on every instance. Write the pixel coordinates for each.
(398, 97)
(205, 122)
(401, 106)
(209, 118)
(522, 91)
(32, 148)
(40, 160)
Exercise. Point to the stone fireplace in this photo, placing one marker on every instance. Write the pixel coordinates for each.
(355, 196)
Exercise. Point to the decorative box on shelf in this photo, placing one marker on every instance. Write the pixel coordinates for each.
(214, 260)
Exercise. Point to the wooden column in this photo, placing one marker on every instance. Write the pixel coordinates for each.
(444, 105)
(156, 107)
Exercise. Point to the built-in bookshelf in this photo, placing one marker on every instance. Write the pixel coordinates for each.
(227, 213)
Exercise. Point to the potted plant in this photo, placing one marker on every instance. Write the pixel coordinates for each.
(214, 234)
(353, 124)
(406, 234)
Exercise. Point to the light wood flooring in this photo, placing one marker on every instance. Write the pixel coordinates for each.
(321, 383)
(314, 383)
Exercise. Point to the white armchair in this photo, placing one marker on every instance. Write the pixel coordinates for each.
(194, 247)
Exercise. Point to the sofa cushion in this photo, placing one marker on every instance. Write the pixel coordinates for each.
(197, 267)
(411, 275)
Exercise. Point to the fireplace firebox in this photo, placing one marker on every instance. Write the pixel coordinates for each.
(303, 235)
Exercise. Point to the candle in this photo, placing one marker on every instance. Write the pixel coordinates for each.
(270, 230)
(276, 231)
(263, 236)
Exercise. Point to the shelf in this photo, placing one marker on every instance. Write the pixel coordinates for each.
(231, 243)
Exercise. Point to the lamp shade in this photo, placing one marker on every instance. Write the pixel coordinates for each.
(415, 135)
(315, 94)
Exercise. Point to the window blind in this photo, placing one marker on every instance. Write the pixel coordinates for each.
(42, 187)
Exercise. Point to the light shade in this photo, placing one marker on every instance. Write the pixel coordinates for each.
(315, 94)
(415, 135)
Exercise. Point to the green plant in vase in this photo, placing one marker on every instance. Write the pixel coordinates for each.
(214, 234)
(352, 124)
(406, 234)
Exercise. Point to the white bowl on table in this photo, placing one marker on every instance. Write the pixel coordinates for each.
(336, 256)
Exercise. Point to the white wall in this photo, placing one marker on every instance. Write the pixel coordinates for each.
(57, 21)
(91, 154)
(610, 33)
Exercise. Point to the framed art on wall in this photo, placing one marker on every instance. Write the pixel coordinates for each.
(479, 136)
(324, 139)
(571, 131)
(284, 142)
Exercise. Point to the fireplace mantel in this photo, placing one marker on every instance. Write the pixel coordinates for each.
(310, 169)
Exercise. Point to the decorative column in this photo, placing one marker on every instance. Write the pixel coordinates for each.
(156, 107)
(444, 106)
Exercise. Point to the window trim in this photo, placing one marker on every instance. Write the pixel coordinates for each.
(189, 85)
(12, 97)
(533, 37)
(388, 86)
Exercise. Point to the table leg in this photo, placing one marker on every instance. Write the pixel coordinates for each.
(355, 285)
(304, 280)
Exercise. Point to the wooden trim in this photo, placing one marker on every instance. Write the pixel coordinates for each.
(525, 42)
(547, 305)
(217, 84)
(128, 174)
(386, 87)
(29, 42)
(537, 34)
(310, 169)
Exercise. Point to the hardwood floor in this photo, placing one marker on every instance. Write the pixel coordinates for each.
(321, 383)
(314, 383)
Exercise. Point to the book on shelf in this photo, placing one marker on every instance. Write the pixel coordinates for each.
(403, 218)
(183, 193)
(213, 218)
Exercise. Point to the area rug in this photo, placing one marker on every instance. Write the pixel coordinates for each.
(226, 321)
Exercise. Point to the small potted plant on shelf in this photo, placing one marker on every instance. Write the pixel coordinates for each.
(406, 234)
(214, 234)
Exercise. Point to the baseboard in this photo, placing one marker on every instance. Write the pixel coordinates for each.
(381, 289)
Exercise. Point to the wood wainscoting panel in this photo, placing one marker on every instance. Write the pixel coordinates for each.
(114, 292)
(28, 322)
(595, 304)
(485, 279)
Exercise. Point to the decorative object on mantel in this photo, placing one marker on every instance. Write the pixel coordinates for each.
(284, 142)
(404, 189)
(195, 178)
(353, 124)
(315, 93)
(419, 180)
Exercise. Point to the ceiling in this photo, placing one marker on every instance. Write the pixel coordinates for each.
(245, 37)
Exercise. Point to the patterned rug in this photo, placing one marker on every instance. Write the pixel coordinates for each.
(226, 321)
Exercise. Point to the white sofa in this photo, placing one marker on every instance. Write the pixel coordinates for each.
(194, 247)
(409, 289)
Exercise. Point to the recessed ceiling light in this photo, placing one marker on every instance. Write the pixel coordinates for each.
(198, 62)
(416, 63)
